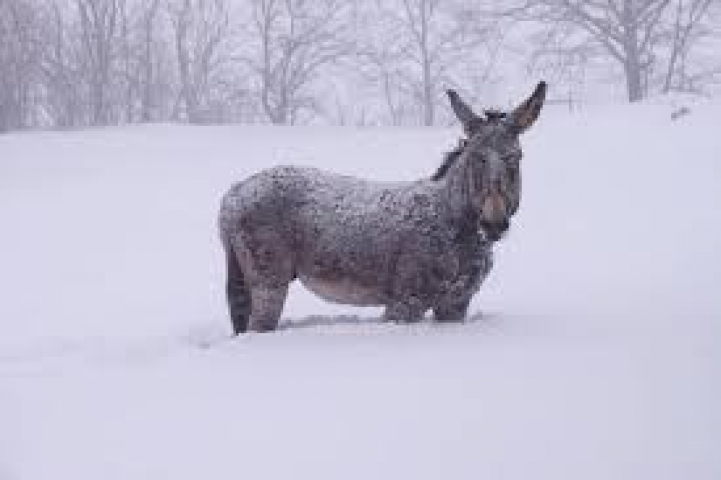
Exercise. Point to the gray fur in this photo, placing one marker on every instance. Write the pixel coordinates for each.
(408, 246)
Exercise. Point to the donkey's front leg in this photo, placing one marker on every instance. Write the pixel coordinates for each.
(266, 307)
(407, 311)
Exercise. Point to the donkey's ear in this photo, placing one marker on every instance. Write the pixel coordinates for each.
(462, 111)
(526, 114)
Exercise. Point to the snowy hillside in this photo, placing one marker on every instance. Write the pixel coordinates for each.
(595, 351)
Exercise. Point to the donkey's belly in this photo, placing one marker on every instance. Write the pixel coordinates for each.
(343, 291)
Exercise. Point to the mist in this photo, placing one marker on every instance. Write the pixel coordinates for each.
(69, 64)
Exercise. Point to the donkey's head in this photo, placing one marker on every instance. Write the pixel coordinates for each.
(492, 155)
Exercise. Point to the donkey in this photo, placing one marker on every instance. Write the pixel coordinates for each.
(411, 247)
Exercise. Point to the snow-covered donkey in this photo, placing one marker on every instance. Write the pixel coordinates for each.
(408, 246)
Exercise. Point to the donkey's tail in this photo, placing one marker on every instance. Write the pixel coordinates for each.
(237, 291)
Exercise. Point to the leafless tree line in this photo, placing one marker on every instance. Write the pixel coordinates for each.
(78, 63)
(658, 45)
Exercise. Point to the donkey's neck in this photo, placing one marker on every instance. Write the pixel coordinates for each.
(456, 193)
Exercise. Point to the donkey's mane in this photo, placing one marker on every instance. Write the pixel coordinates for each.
(449, 158)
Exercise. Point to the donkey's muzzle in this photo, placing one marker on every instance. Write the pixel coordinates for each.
(494, 208)
(495, 231)
(494, 216)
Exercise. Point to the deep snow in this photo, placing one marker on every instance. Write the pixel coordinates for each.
(596, 356)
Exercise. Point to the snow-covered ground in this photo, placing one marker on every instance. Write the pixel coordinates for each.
(595, 351)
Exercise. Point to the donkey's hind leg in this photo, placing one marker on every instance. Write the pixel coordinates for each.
(237, 293)
(268, 268)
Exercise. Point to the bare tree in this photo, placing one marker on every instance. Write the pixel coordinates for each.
(416, 45)
(290, 42)
(686, 27)
(634, 33)
(560, 57)
(99, 23)
(20, 62)
(203, 42)
(145, 72)
(150, 62)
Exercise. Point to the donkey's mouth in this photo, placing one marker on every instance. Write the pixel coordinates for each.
(496, 230)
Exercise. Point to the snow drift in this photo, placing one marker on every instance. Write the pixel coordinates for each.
(594, 351)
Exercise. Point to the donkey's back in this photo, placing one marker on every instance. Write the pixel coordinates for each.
(291, 190)
(304, 205)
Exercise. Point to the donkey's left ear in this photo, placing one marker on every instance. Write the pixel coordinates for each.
(463, 112)
(526, 114)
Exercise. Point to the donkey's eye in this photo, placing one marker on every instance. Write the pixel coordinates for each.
(479, 158)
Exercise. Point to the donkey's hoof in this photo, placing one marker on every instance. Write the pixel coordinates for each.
(450, 320)
(262, 328)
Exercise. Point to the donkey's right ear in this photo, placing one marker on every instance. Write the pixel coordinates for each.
(463, 112)
(527, 113)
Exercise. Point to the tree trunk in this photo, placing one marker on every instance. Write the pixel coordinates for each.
(632, 65)
(428, 106)
(634, 83)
